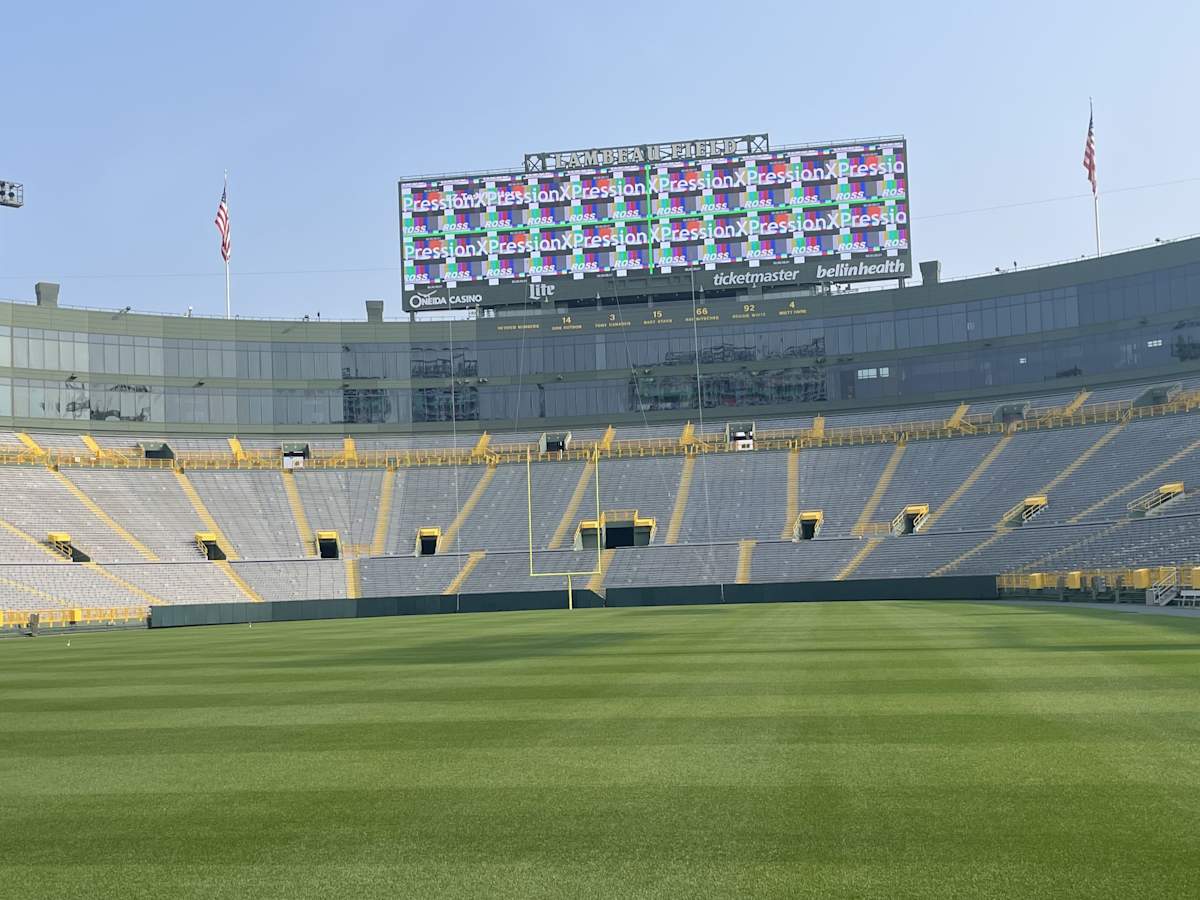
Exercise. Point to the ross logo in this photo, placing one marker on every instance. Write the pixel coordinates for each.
(539, 291)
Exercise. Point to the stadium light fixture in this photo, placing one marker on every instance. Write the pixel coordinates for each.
(12, 194)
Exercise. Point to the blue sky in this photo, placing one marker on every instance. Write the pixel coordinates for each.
(120, 118)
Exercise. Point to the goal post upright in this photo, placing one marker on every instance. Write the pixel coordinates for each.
(598, 568)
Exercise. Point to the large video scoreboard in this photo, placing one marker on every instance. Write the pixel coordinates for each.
(723, 213)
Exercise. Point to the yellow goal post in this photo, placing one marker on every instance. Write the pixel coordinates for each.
(569, 575)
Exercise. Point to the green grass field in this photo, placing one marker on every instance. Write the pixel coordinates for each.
(865, 750)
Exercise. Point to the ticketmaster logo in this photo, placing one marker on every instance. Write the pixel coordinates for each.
(739, 279)
(859, 269)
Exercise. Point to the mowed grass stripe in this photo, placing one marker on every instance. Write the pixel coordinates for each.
(875, 767)
(899, 749)
(1048, 702)
(547, 689)
(902, 730)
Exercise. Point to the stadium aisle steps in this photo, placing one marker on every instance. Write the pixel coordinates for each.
(36, 501)
(240, 583)
(473, 559)
(745, 561)
(551, 487)
(40, 597)
(149, 504)
(872, 504)
(1142, 445)
(839, 481)
(104, 517)
(684, 564)
(180, 582)
(30, 443)
(76, 586)
(1146, 479)
(294, 579)
(596, 582)
(793, 495)
(1046, 490)
(857, 561)
(963, 557)
(1073, 407)
(468, 507)
(303, 530)
(681, 498)
(210, 524)
(1032, 460)
(1065, 553)
(1080, 460)
(399, 576)
(931, 470)
(504, 572)
(959, 414)
(566, 525)
(647, 485)
(345, 501)
(383, 516)
(914, 555)
(429, 497)
(521, 500)
(24, 547)
(127, 585)
(252, 507)
(353, 582)
(818, 560)
(975, 474)
(737, 496)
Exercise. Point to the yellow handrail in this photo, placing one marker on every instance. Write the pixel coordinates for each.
(712, 442)
(1139, 576)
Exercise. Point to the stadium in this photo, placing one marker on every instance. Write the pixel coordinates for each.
(747, 423)
(1035, 426)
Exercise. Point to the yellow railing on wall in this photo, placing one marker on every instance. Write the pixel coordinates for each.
(710, 442)
(1131, 577)
(55, 618)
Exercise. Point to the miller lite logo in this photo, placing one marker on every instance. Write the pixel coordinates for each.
(539, 291)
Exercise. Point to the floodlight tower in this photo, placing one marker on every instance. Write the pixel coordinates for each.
(12, 194)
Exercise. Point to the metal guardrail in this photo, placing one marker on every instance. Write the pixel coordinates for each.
(1144, 577)
(57, 618)
(872, 528)
(711, 442)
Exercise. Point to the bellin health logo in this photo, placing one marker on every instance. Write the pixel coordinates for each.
(860, 269)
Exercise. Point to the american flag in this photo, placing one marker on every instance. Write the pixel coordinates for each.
(222, 222)
(1089, 152)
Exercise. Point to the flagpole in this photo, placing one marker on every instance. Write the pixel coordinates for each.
(228, 316)
(1090, 162)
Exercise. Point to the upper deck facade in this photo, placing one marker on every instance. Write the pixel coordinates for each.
(761, 352)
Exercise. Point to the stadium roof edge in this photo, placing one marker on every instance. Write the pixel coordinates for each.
(865, 288)
(516, 170)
